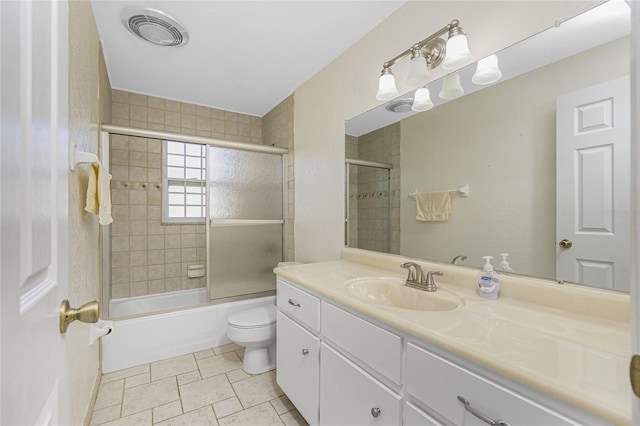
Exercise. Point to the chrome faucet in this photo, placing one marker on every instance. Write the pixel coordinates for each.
(418, 279)
(460, 257)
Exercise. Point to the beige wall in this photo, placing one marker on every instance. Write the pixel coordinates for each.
(88, 89)
(500, 140)
(347, 86)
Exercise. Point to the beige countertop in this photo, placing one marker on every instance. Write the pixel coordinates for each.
(568, 341)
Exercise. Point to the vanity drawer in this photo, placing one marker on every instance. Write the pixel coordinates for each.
(299, 304)
(378, 348)
(437, 383)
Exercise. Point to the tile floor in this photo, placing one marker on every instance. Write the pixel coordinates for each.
(202, 388)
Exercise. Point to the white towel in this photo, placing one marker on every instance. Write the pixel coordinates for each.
(433, 206)
(99, 193)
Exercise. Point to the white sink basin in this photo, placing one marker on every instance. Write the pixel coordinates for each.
(387, 291)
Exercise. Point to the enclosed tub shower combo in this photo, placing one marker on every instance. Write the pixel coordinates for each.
(197, 231)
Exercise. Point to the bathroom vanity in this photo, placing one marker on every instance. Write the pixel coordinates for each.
(355, 348)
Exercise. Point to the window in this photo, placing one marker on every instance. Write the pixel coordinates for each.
(184, 182)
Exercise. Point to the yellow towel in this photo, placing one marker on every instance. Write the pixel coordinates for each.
(433, 206)
(99, 193)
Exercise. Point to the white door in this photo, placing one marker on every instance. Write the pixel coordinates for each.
(34, 208)
(593, 235)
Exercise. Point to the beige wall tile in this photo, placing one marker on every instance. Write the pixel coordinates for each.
(173, 284)
(155, 242)
(173, 270)
(138, 227)
(156, 272)
(119, 96)
(138, 258)
(138, 99)
(157, 286)
(170, 105)
(155, 257)
(140, 288)
(155, 115)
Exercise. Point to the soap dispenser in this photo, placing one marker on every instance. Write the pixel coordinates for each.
(505, 264)
(488, 284)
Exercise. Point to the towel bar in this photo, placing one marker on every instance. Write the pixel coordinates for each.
(77, 157)
(462, 190)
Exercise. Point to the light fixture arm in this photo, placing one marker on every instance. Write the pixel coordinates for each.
(453, 26)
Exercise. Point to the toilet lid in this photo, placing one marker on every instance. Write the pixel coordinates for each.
(255, 317)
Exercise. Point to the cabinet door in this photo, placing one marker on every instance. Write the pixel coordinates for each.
(298, 366)
(350, 396)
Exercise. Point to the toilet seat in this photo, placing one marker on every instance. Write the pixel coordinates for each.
(261, 316)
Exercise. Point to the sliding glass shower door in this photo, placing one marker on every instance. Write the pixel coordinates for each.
(246, 222)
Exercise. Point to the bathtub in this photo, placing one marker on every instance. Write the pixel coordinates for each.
(142, 340)
(156, 302)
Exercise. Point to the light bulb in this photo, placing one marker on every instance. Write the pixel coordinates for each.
(487, 71)
(387, 89)
(458, 54)
(422, 100)
(418, 70)
(451, 87)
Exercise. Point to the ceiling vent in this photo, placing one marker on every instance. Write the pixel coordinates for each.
(400, 105)
(154, 26)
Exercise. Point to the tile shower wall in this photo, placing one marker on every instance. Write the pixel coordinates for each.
(351, 151)
(149, 257)
(277, 130)
(383, 146)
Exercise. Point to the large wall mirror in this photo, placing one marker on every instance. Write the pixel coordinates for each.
(545, 152)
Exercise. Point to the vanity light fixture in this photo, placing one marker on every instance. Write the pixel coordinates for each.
(387, 89)
(427, 54)
(418, 70)
(487, 71)
(422, 100)
(451, 87)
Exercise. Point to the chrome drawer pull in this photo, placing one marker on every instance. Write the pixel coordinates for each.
(305, 352)
(375, 411)
(478, 414)
(294, 303)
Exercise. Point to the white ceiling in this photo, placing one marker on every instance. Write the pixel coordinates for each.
(242, 56)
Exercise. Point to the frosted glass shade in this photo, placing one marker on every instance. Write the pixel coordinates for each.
(451, 87)
(387, 89)
(422, 100)
(458, 54)
(487, 71)
(418, 71)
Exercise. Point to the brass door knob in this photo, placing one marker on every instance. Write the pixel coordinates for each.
(89, 312)
(565, 244)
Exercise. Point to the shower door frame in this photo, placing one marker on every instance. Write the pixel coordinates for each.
(105, 231)
(347, 216)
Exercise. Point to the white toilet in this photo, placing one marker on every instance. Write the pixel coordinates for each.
(255, 329)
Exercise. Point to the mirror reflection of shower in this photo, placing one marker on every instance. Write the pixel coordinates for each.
(368, 205)
(372, 190)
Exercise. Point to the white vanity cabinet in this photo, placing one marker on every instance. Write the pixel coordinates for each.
(298, 349)
(339, 367)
